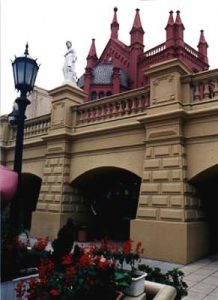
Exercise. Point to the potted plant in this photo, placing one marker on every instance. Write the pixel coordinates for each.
(81, 275)
(127, 258)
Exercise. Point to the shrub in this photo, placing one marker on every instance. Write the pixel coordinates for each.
(173, 278)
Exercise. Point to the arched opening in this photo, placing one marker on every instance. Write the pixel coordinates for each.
(206, 184)
(93, 96)
(112, 196)
(101, 95)
(29, 192)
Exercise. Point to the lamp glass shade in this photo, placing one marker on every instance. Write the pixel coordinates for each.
(24, 70)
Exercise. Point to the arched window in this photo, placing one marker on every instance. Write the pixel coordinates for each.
(93, 96)
(101, 95)
(108, 93)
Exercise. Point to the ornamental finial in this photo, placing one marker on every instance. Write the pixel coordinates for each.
(26, 50)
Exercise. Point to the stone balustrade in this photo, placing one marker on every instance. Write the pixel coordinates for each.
(33, 127)
(204, 86)
(37, 126)
(120, 105)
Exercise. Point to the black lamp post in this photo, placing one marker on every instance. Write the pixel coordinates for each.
(24, 70)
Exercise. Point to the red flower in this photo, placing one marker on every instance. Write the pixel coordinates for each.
(84, 260)
(67, 260)
(41, 244)
(104, 264)
(20, 289)
(127, 247)
(54, 292)
(46, 268)
(139, 250)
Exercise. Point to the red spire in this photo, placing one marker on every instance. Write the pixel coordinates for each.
(137, 22)
(114, 25)
(179, 28)
(202, 38)
(170, 20)
(178, 20)
(202, 46)
(170, 38)
(92, 56)
(92, 51)
(137, 31)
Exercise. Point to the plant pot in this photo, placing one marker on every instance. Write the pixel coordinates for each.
(8, 287)
(137, 286)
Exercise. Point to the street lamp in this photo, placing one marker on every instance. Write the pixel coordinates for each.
(24, 70)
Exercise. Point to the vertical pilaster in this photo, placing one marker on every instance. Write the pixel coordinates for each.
(170, 221)
(58, 200)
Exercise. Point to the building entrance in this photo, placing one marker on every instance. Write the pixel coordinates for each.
(207, 187)
(112, 197)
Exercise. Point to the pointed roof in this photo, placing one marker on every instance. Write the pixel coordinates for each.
(170, 20)
(137, 22)
(92, 56)
(178, 20)
(202, 38)
(92, 51)
(115, 15)
(114, 25)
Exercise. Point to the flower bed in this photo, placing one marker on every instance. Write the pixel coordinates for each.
(93, 272)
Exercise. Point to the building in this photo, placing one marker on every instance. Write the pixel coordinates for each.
(142, 161)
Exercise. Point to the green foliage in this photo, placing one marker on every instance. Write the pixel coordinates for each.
(173, 278)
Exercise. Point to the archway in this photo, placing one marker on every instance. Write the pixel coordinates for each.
(112, 196)
(206, 184)
(29, 192)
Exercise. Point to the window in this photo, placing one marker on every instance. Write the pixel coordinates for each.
(101, 94)
(93, 96)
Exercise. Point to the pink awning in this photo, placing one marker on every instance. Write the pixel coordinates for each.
(8, 184)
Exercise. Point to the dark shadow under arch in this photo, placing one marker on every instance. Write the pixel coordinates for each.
(29, 192)
(112, 195)
(206, 184)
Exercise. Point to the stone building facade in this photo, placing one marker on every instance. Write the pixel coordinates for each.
(158, 139)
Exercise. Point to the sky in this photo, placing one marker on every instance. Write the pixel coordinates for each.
(47, 24)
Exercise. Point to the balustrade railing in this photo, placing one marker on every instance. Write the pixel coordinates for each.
(156, 50)
(37, 126)
(192, 51)
(33, 127)
(204, 86)
(129, 103)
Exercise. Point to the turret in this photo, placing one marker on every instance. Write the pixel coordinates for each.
(92, 56)
(136, 48)
(170, 40)
(137, 32)
(202, 46)
(179, 30)
(114, 25)
(91, 62)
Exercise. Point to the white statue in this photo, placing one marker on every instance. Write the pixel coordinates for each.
(69, 65)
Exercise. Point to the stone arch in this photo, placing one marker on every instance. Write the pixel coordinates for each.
(206, 186)
(29, 192)
(112, 196)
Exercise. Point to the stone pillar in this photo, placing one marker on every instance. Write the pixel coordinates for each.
(169, 219)
(58, 200)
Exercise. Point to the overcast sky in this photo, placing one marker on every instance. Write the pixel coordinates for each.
(48, 24)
